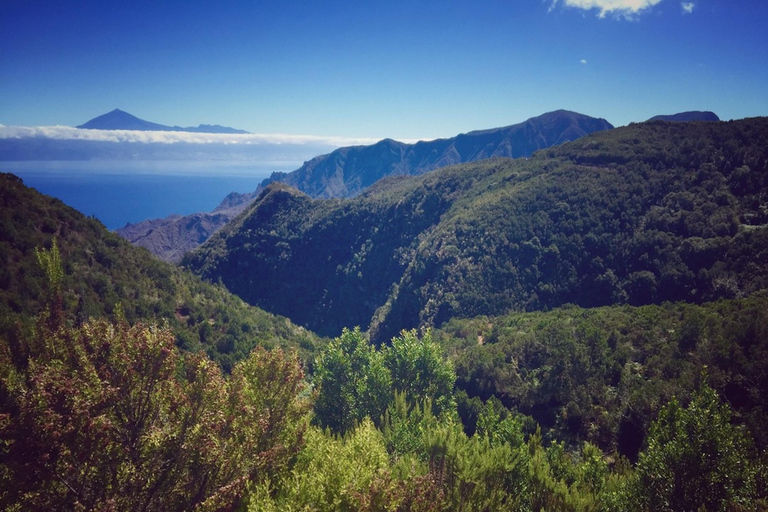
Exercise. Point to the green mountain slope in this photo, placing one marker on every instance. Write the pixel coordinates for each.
(101, 270)
(648, 213)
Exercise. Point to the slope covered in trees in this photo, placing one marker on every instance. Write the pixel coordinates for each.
(521, 412)
(648, 213)
(103, 273)
(579, 408)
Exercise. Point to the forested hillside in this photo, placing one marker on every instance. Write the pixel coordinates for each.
(638, 215)
(108, 415)
(103, 273)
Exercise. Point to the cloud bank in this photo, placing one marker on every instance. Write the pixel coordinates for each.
(626, 8)
(688, 7)
(153, 137)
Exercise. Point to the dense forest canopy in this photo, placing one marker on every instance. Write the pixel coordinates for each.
(638, 215)
(111, 416)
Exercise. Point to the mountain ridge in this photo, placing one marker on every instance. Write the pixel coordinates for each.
(682, 117)
(169, 238)
(348, 171)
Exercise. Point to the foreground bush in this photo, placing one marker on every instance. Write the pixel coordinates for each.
(106, 416)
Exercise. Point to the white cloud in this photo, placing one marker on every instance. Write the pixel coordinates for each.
(149, 137)
(583, 61)
(688, 7)
(626, 8)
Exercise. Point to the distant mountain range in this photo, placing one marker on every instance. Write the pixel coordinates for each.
(348, 171)
(695, 115)
(120, 120)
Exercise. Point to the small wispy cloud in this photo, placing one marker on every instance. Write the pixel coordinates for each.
(625, 8)
(153, 137)
(583, 61)
(688, 7)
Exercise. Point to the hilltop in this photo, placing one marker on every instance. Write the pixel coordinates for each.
(683, 117)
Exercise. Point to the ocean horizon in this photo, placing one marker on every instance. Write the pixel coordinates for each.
(122, 192)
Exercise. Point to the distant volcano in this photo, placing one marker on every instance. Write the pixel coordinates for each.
(120, 120)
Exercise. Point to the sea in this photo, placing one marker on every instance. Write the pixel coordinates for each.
(121, 192)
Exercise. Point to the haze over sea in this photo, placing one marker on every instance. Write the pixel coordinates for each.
(117, 193)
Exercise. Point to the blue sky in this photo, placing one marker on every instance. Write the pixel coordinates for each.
(370, 69)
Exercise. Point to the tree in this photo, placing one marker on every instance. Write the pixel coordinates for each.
(419, 369)
(352, 382)
(695, 458)
(50, 262)
(355, 380)
(500, 426)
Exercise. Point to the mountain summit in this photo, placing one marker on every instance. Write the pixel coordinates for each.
(121, 120)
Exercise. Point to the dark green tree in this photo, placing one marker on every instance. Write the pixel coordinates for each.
(696, 459)
(352, 382)
(419, 369)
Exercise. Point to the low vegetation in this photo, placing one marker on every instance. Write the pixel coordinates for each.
(107, 416)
